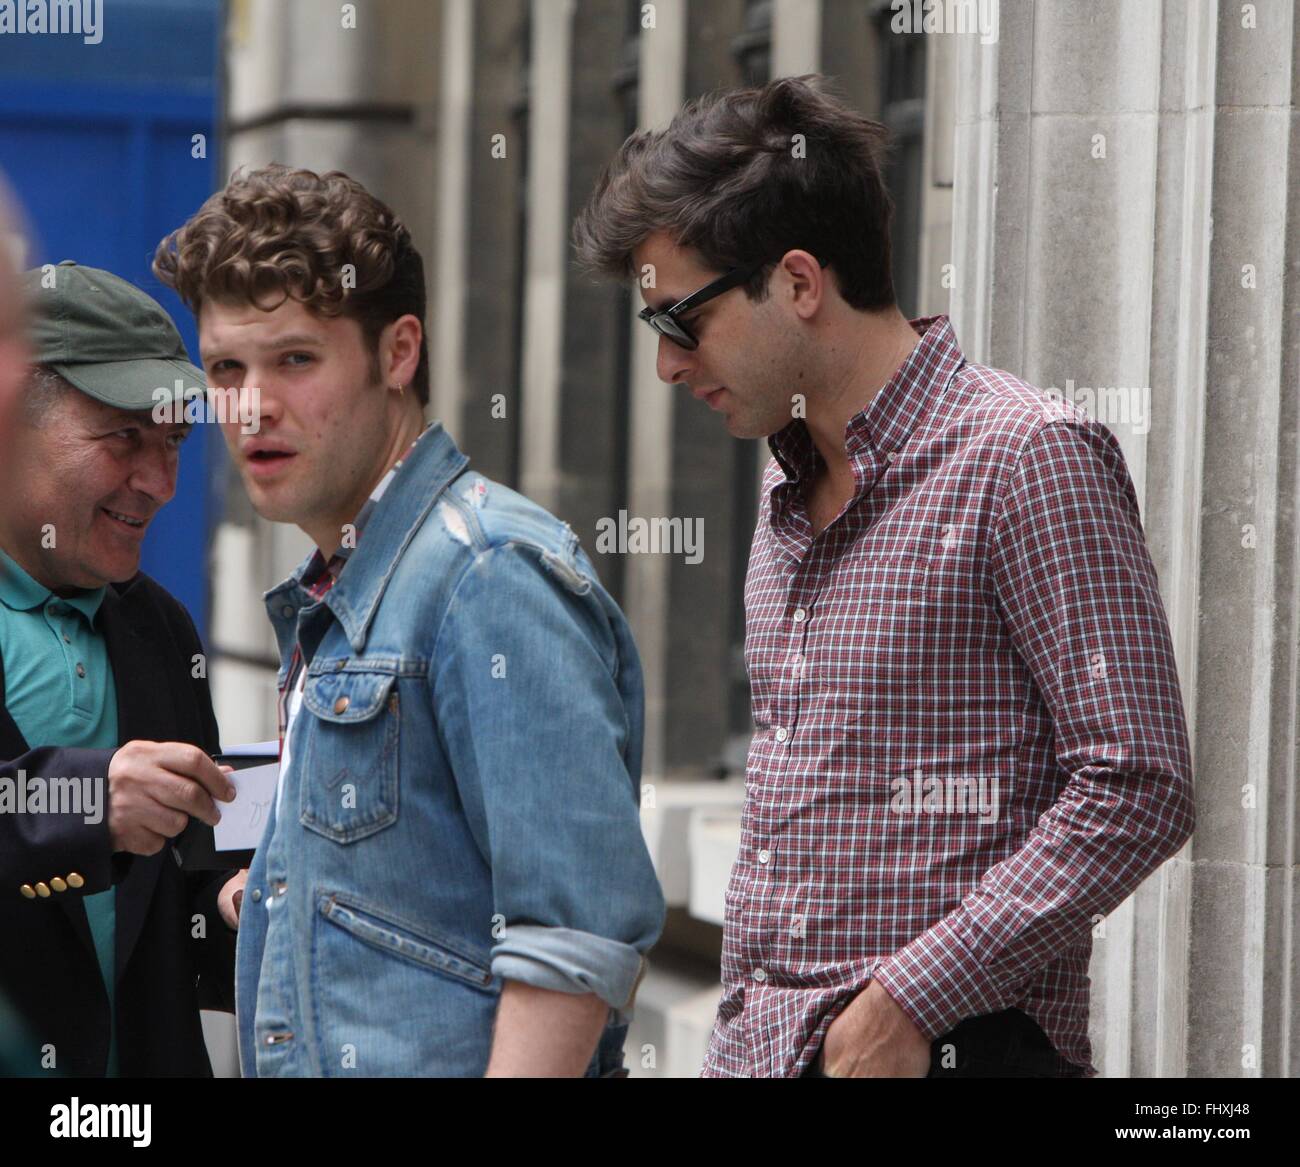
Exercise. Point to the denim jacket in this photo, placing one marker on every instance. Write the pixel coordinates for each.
(459, 805)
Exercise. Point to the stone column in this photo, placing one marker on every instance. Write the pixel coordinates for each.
(546, 248)
(1122, 223)
(662, 70)
(491, 408)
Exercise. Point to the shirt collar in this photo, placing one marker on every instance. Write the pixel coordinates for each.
(21, 593)
(430, 468)
(318, 564)
(892, 415)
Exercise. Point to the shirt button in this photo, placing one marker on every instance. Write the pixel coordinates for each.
(764, 855)
(760, 975)
(799, 615)
(75, 879)
(81, 670)
(28, 891)
(257, 895)
(286, 611)
(341, 704)
(891, 456)
(782, 733)
(58, 883)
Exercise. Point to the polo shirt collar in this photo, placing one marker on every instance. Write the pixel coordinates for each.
(21, 593)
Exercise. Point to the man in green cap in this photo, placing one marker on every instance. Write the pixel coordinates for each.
(109, 948)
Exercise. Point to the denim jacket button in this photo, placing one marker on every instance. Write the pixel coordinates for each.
(341, 704)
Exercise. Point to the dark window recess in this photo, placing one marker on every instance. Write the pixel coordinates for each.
(519, 111)
(626, 90)
(752, 49)
(902, 79)
(752, 46)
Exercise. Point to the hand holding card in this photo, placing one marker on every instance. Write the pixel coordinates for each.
(255, 772)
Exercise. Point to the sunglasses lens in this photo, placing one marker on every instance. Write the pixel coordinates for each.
(669, 327)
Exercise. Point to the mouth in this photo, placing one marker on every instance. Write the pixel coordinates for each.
(713, 398)
(124, 521)
(263, 463)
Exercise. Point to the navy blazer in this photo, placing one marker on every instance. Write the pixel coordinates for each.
(49, 975)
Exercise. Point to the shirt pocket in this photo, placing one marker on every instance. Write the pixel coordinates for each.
(875, 646)
(420, 944)
(350, 754)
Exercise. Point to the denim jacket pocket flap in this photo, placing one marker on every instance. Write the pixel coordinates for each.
(350, 750)
(401, 938)
(345, 698)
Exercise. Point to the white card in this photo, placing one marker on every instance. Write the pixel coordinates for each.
(244, 820)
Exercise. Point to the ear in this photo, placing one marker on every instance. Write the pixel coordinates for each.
(399, 349)
(803, 280)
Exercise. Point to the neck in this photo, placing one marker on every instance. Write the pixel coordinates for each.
(32, 565)
(874, 352)
(329, 534)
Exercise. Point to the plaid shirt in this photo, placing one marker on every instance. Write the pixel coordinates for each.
(970, 743)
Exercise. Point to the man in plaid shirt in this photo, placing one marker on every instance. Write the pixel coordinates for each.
(970, 744)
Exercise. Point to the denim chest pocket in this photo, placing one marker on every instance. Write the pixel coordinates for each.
(350, 754)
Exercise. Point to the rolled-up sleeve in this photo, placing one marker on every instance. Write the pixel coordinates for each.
(1081, 605)
(532, 696)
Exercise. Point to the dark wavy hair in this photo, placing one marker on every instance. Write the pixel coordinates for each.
(277, 233)
(729, 179)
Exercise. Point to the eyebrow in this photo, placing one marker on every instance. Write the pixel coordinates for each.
(290, 340)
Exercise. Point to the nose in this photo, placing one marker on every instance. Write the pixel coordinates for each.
(154, 471)
(673, 362)
(248, 410)
(255, 403)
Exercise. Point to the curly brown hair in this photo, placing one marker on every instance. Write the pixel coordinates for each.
(277, 232)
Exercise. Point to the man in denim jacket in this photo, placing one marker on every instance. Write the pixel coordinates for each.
(452, 879)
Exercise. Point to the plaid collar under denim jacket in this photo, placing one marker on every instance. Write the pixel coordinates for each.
(460, 802)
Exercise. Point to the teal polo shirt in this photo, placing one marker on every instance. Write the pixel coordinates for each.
(59, 691)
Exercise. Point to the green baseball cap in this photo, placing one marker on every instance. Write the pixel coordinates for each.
(106, 337)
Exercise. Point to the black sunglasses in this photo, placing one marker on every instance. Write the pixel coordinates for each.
(665, 321)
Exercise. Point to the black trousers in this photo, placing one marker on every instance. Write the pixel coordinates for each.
(1009, 1044)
